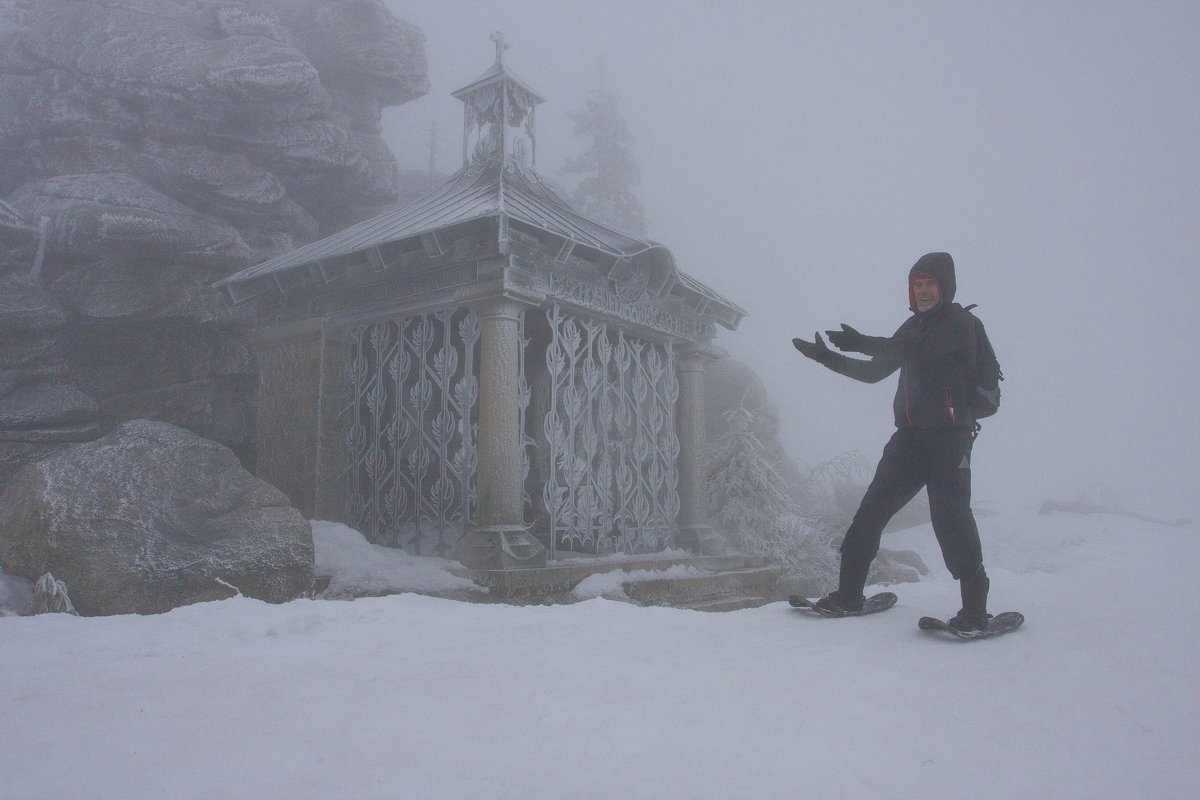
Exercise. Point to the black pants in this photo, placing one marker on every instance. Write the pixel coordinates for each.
(939, 460)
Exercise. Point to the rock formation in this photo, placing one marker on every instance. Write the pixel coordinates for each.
(151, 517)
(148, 148)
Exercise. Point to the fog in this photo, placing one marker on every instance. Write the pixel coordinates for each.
(799, 157)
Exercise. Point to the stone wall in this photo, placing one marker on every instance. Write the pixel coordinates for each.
(148, 148)
(303, 389)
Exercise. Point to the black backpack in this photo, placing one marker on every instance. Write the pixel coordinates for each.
(984, 374)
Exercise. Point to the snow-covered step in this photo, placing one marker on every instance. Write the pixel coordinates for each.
(563, 576)
(728, 603)
(692, 589)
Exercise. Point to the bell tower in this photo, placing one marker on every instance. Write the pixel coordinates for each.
(498, 121)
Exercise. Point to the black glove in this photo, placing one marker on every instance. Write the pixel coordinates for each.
(847, 339)
(816, 350)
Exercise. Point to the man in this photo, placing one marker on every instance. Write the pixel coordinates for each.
(931, 448)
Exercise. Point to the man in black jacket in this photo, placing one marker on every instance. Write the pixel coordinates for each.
(931, 448)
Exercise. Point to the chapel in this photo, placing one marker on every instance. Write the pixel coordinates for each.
(485, 373)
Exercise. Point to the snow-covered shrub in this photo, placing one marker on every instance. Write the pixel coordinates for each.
(751, 503)
(830, 493)
(746, 495)
(50, 597)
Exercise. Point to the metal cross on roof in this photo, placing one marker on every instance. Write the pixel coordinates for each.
(501, 45)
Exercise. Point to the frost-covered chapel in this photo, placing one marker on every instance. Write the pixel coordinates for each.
(485, 373)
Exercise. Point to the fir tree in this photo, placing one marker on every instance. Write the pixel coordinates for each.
(609, 170)
(750, 501)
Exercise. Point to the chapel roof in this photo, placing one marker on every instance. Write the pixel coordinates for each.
(478, 191)
(493, 185)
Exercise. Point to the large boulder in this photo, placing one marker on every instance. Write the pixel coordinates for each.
(151, 517)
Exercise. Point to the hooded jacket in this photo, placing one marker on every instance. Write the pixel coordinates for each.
(933, 350)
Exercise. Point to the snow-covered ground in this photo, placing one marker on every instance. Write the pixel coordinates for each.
(410, 696)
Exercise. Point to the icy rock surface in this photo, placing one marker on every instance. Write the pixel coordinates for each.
(151, 517)
(148, 148)
(16, 595)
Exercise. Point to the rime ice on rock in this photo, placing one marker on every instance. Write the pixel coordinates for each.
(151, 517)
(150, 147)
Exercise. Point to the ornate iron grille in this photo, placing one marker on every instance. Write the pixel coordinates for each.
(610, 439)
(412, 430)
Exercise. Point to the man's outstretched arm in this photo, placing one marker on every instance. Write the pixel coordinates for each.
(956, 334)
(872, 371)
(851, 341)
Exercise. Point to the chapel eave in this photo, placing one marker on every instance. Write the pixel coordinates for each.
(497, 73)
(476, 193)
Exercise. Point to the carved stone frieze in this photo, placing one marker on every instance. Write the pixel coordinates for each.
(608, 302)
(622, 293)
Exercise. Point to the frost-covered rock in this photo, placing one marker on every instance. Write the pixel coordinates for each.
(151, 517)
(16, 595)
(896, 566)
(149, 148)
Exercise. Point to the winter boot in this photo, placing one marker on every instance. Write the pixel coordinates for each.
(969, 624)
(973, 616)
(843, 602)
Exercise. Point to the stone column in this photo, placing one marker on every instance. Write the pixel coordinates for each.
(500, 539)
(695, 533)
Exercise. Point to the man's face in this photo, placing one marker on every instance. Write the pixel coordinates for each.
(926, 292)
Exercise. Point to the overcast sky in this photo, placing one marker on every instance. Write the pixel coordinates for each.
(798, 157)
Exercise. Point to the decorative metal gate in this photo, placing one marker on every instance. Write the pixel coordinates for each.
(610, 439)
(412, 430)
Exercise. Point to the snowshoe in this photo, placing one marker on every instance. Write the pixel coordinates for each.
(997, 625)
(872, 605)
